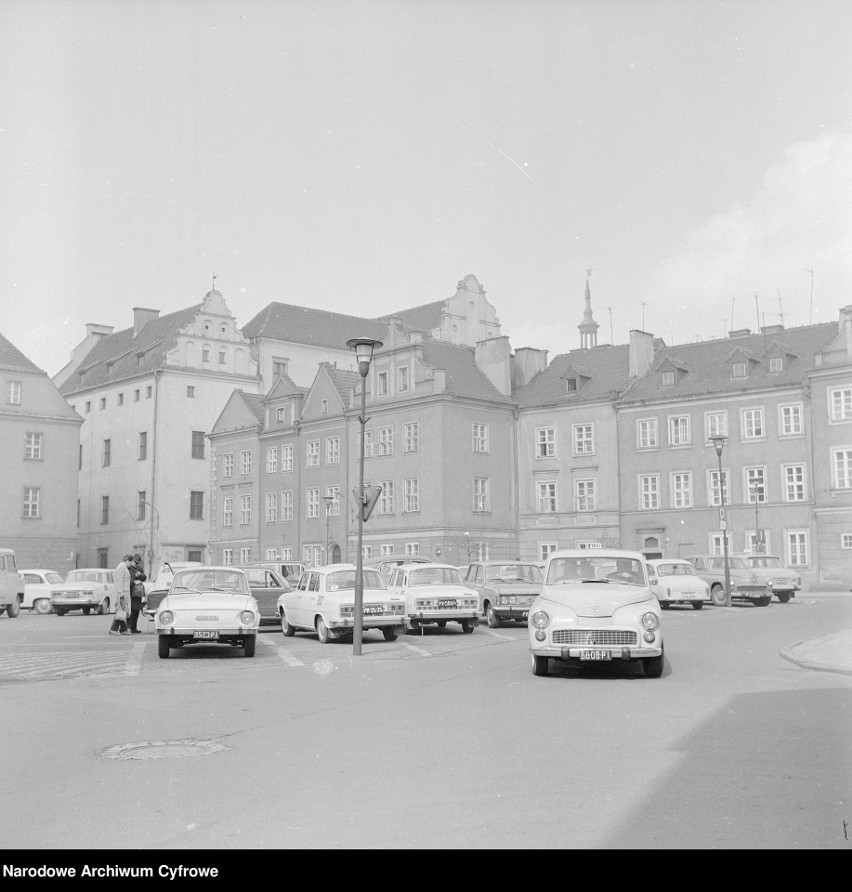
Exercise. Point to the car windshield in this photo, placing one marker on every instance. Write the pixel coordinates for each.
(435, 576)
(513, 573)
(53, 577)
(83, 576)
(602, 568)
(344, 580)
(209, 579)
(735, 563)
(762, 560)
(675, 570)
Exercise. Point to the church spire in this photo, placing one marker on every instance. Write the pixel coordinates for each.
(588, 327)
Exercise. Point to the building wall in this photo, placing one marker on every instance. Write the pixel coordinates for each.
(302, 360)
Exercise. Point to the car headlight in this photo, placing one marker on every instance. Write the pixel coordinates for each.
(650, 620)
(540, 619)
(247, 617)
(167, 617)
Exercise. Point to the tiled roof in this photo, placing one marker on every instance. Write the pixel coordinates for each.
(463, 375)
(306, 325)
(343, 380)
(154, 340)
(254, 402)
(12, 358)
(426, 317)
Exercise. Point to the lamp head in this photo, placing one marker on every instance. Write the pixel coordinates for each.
(719, 442)
(363, 348)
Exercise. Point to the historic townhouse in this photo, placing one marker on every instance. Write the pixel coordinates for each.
(39, 442)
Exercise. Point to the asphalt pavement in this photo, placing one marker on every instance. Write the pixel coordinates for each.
(830, 653)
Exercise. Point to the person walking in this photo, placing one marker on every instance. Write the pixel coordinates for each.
(137, 593)
(122, 593)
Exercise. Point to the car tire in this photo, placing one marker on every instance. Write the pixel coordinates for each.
(664, 604)
(322, 631)
(389, 633)
(697, 605)
(442, 624)
(42, 605)
(653, 666)
(249, 645)
(87, 610)
(286, 628)
(14, 608)
(717, 595)
(2, 609)
(412, 625)
(762, 602)
(59, 611)
(467, 626)
(103, 610)
(491, 618)
(784, 597)
(538, 664)
(163, 647)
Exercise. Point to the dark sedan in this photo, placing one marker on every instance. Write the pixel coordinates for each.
(266, 587)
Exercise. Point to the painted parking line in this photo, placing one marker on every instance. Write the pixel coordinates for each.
(134, 660)
(283, 653)
(414, 649)
(498, 635)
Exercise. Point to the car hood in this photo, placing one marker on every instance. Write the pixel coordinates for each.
(73, 586)
(596, 599)
(514, 588)
(208, 601)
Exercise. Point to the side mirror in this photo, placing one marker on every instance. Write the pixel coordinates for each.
(653, 580)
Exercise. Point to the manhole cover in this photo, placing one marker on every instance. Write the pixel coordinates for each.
(162, 749)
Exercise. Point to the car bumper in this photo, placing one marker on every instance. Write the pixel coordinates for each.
(572, 652)
(511, 612)
(224, 636)
(751, 593)
(368, 622)
(449, 616)
(75, 603)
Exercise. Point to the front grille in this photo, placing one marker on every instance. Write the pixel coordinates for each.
(594, 637)
(751, 589)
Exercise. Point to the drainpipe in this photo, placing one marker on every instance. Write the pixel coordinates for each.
(157, 375)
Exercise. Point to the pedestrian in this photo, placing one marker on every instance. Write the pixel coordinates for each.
(122, 594)
(137, 593)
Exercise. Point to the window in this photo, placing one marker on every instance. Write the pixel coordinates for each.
(334, 505)
(717, 543)
(790, 420)
(840, 403)
(755, 485)
(245, 510)
(313, 453)
(411, 495)
(245, 462)
(668, 379)
(271, 459)
(584, 495)
(797, 548)
(646, 433)
(271, 554)
(323, 407)
(717, 424)
(738, 370)
(245, 555)
(386, 498)
(546, 497)
(584, 439)
(545, 441)
(107, 453)
(13, 393)
(715, 492)
(366, 552)
(753, 424)
(794, 483)
(287, 458)
(287, 506)
(402, 379)
(32, 447)
(136, 396)
(385, 550)
(382, 384)
(279, 366)
(313, 502)
(412, 549)
(368, 444)
(205, 354)
(272, 507)
(281, 414)
(196, 505)
(332, 451)
(103, 402)
(681, 489)
(190, 391)
(140, 504)
(223, 357)
(776, 364)
(140, 360)
(649, 492)
(480, 438)
(679, 430)
(148, 392)
(385, 446)
(846, 540)
(411, 436)
(227, 556)
(480, 495)
(121, 399)
(228, 464)
(228, 511)
(287, 554)
(104, 509)
(198, 444)
(545, 549)
(841, 462)
(32, 499)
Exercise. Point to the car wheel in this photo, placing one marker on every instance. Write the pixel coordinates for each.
(763, 602)
(717, 595)
(286, 628)
(664, 604)
(2, 609)
(783, 597)
(104, 608)
(697, 605)
(42, 605)
(390, 633)
(653, 666)
(249, 645)
(412, 625)
(59, 611)
(322, 631)
(14, 608)
(467, 626)
(442, 624)
(539, 664)
(491, 618)
(163, 647)
(87, 610)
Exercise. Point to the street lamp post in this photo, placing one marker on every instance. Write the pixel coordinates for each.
(719, 442)
(328, 500)
(363, 348)
(755, 488)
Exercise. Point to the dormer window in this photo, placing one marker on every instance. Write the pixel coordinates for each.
(776, 364)
(324, 407)
(668, 379)
(738, 370)
(140, 359)
(280, 414)
(571, 384)
(109, 366)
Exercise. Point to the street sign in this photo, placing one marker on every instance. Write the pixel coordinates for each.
(367, 499)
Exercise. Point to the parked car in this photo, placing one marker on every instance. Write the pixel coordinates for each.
(207, 605)
(157, 588)
(86, 589)
(747, 584)
(289, 571)
(266, 587)
(505, 588)
(37, 585)
(384, 565)
(324, 602)
(596, 605)
(11, 584)
(434, 593)
(783, 582)
(678, 583)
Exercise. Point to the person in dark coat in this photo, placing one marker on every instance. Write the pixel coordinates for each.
(137, 593)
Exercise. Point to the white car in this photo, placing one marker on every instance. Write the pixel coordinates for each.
(783, 582)
(37, 585)
(157, 588)
(434, 593)
(87, 589)
(207, 605)
(596, 605)
(678, 583)
(324, 602)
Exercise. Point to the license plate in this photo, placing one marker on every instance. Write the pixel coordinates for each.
(373, 609)
(207, 634)
(595, 655)
(447, 602)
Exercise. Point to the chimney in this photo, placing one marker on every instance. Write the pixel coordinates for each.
(141, 317)
(739, 333)
(771, 329)
(527, 362)
(95, 332)
(493, 357)
(641, 353)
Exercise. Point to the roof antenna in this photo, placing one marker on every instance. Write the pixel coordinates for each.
(811, 316)
(611, 335)
(780, 308)
(214, 282)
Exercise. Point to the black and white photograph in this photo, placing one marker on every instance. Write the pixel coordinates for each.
(449, 402)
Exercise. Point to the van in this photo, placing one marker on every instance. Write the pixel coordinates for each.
(11, 584)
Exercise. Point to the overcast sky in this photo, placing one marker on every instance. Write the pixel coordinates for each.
(365, 156)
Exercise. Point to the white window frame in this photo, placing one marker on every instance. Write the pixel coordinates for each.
(271, 459)
(227, 557)
(584, 495)
(649, 492)
(410, 495)
(245, 462)
(287, 506)
(583, 439)
(31, 508)
(312, 453)
(790, 420)
(382, 383)
(386, 499)
(245, 509)
(755, 475)
(839, 404)
(312, 497)
(547, 497)
(481, 495)
(545, 442)
(647, 436)
(753, 423)
(841, 467)
(411, 436)
(680, 489)
(797, 548)
(545, 549)
(679, 430)
(385, 441)
(412, 549)
(33, 446)
(713, 491)
(227, 511)
(332, 450)
(402, 379)
(272, 507)
(227, 461)
(479, 435)
(715, 424)
(287, 457)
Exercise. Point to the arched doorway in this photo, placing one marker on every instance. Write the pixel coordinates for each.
(334, 554)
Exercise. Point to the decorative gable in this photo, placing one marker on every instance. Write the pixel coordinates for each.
(742, 363)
